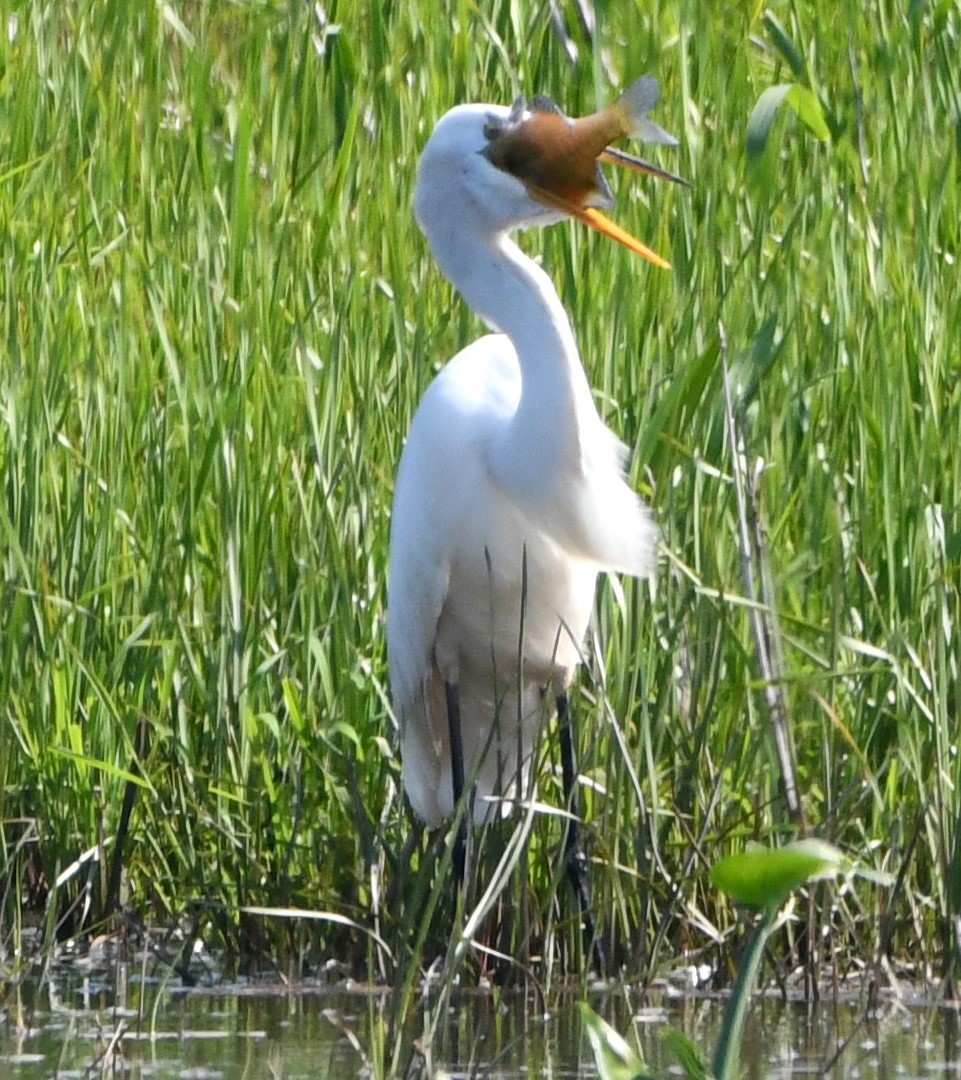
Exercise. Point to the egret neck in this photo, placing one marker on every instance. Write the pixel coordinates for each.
(536, 458)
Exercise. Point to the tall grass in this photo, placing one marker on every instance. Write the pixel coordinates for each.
(218, 317)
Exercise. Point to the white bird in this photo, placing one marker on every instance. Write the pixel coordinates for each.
(510, 496)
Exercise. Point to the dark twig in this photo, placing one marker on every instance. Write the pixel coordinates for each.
(111, 901)
(577, 869)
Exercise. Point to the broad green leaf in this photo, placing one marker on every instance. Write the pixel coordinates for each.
(687, 1054)
(763, 117)
(803, 101)
(765, 878)
(614, 1057)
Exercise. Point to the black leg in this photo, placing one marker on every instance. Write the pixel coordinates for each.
(457, 777)
(577, 873)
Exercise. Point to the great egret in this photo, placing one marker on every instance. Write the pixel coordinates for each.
(510, 497)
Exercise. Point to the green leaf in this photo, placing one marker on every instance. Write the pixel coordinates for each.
(763, 117)
(749, 370)
(687, 1054)
(614, 1057)
(783, 43)
(677, 405)
(803, 101)
(765, 878)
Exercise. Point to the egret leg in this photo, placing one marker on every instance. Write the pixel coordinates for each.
(577, 871)
(457, 777)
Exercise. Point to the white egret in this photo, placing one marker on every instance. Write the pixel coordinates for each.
(510, 496)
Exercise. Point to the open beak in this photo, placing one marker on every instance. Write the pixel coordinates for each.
(558, 159)
(600, 223)
(596, 220)
(629, 161)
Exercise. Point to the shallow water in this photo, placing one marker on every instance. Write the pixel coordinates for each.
(67, 1025)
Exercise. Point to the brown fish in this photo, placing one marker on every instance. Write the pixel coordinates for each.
(557, 158)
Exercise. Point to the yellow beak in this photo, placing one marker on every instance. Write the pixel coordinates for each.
(600, 223)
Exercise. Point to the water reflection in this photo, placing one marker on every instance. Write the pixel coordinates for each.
(71, 1026)
(794, 1040)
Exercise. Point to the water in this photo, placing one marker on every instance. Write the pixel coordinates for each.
(76, 1022)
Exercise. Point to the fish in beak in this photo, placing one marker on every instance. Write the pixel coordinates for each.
(558, 158)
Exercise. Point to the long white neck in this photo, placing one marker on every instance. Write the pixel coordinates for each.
(555, 458)
(540, 451)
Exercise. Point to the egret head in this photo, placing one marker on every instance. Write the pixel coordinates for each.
(532, 165)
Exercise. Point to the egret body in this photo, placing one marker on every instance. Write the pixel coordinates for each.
(510, 498)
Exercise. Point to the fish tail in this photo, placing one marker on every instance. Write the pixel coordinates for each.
(633, 106)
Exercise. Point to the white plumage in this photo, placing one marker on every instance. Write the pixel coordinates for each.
(510, 496)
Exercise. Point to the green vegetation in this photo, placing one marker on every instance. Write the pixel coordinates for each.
(217, 317)
(764, 879)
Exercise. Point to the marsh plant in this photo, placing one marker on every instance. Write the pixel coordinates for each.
(217, 316)
(763, 881)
